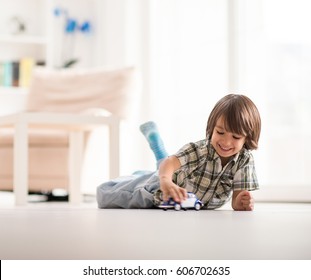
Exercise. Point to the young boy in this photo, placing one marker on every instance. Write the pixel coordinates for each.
(215, 169)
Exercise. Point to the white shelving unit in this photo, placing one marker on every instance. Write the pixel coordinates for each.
(23, 39)
(24, 29)
(43, 38)
(15, 44)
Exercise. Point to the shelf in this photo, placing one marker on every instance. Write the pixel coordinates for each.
(12, 100)
(13, 90)
(23, 39)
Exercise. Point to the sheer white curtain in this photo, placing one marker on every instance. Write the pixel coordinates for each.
(190, 70)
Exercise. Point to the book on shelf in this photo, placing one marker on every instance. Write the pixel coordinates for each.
(17, 73)
(26, 66)
(7, 74)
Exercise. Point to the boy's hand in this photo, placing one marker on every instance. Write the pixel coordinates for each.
(169, 189)
(242, 201)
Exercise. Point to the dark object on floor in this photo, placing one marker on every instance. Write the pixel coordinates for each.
(48, 196)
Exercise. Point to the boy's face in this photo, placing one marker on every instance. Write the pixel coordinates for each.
(226, 143)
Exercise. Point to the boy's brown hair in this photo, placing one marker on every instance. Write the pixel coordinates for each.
(241, 117)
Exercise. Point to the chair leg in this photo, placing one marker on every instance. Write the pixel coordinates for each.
(20, 159)
(114, 149)
(75, 166)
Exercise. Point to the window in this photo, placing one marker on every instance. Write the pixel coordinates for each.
(275, 67)
(190, 43)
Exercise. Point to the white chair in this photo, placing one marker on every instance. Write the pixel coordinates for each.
(69, 101)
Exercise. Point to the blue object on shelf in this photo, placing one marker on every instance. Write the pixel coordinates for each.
(71, 25)
(57, 12)
(85, 27)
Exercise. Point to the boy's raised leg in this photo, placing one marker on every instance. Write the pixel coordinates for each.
(151, 133)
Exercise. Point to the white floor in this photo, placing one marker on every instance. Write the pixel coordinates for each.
(62, 231)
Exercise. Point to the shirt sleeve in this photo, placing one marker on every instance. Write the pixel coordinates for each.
(190, 154)
(246, 178)
(189, 157)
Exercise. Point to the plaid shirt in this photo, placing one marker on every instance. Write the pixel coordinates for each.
(201, 172)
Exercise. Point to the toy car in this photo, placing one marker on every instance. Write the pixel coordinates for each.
(191, 202)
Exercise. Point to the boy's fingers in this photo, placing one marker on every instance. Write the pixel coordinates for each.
(245, 197)
(165, 196)
(245, 194)
(183, 193)
(178, 197)
(174, 195)
(248, 204)
(178, 194)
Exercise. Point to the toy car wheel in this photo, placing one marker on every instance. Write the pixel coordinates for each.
(197, 206)
(177, 206)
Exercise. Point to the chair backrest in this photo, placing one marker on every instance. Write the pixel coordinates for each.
(79, 90)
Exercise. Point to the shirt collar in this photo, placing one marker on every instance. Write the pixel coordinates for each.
(211, 152)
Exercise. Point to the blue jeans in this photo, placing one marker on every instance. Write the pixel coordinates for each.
(134, 191)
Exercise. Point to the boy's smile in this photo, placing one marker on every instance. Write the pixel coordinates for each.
(226, 143)
(224, 149)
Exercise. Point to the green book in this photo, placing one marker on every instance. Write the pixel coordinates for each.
(8, 74)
